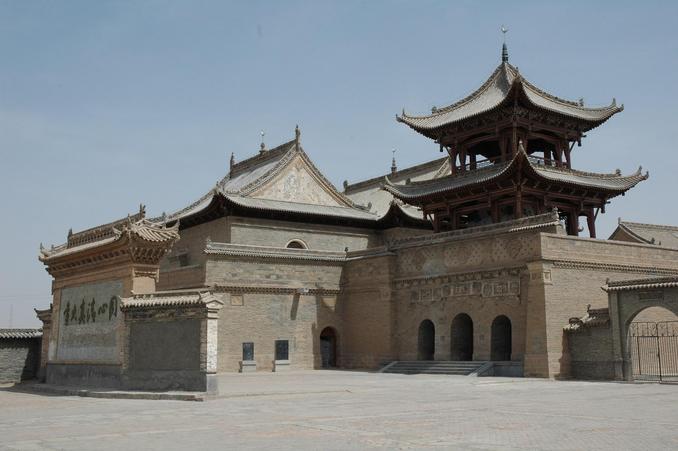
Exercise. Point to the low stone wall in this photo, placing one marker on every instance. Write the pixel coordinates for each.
(19, 358)
(83, 374)
(589, 345)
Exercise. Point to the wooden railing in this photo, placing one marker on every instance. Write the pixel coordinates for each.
(494, 160)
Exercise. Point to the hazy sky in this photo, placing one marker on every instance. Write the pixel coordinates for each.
(108, 104)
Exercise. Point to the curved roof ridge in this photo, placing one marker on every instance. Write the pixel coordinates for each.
(457, 176)
(260, 157)
(653, 226)
(281, 164)
(613, 175)
(555, 98)
(177, 214)
(495, 92)
(325, 181)
(464, 100)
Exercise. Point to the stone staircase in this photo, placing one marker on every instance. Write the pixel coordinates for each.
(434, 367)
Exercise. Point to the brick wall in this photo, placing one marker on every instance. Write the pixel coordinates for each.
(19, 359)
(591, 353)
(578, 268)
(262, 318)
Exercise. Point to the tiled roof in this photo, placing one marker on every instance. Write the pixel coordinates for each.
(661, 235)
(495, 91)
(103, 231)
(142, 229)
(642, 284)
(20, 333)
(369, 192)
(614, 183)
(296, 207)
(180, 298)
(245, 250)
(542, 221)
(246, 177)
(593, 318)
(249, 175)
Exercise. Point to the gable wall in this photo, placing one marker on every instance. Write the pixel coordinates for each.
(296, 183)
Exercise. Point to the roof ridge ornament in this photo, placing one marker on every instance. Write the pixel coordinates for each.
(504, 49)
(394, 168)
(262, 146)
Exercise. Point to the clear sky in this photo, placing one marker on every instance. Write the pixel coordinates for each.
(108, 104)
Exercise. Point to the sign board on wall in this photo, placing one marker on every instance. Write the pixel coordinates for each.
(88, 318)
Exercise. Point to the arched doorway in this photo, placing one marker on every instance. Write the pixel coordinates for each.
(328, 348)
(653, 344)
(461, 335)
(427, 340)
(501, 339)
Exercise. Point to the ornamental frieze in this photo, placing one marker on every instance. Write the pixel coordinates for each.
(447, 257)
(495, 285)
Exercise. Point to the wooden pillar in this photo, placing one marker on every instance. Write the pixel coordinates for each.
(462, 158)
(494, 211)
(519, 203)
(472, 158)
(568, 162)
(455, 220)
(453, 161)
(591, 220)
(559, 156)
(436, 222)
(574, 222)
(502, 147)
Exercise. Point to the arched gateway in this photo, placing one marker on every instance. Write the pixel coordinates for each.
(461, 335)
(427, 340)
(501, 339)
(328, 348)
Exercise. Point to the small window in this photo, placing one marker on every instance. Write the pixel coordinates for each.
(296, 244)
(282, 350)
(248, 351)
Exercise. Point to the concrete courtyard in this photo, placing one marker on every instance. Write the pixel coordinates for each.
(353, 410)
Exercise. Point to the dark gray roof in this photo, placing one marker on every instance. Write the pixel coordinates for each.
(495, 91)
(20, 333)
(296, 207)
(369, 192)
(614, 183)
(248, 250)
(143, 229)
(246, 177)
(177, 298)
(661, 235)
(642, 284)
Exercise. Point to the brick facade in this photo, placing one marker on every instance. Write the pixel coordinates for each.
(19, 359)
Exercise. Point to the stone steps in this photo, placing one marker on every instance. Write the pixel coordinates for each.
(433, 367)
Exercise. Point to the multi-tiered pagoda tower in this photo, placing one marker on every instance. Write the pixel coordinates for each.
(510, 150)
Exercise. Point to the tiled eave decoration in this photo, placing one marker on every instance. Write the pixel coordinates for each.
(139, 243)
(251, 251)
(642, 284)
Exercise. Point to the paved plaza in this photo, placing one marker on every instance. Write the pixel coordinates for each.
(353, 410)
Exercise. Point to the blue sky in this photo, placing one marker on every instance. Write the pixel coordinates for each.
(108, 104)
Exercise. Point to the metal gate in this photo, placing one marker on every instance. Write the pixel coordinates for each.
(654, 350)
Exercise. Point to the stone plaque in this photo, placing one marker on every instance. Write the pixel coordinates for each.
(88, 318)
(237, 299)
